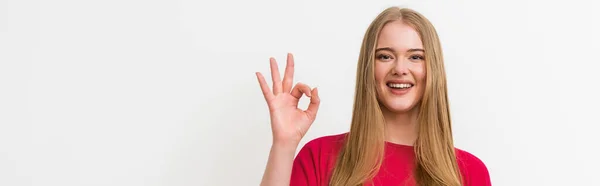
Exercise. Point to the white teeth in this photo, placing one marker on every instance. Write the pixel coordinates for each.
(399, 85)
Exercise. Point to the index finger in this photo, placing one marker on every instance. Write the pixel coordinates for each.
(264, 87)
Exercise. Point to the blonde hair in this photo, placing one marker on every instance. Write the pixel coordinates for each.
(361, 156)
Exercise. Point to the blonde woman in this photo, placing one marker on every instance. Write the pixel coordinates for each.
(401, 129)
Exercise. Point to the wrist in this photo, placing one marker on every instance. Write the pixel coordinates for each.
(285, 145)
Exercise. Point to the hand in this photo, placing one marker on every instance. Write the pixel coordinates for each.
(288, 123)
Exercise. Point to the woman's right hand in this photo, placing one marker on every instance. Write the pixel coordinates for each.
(288, 122)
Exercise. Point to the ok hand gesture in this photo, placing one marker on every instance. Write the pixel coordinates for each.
(288, 122)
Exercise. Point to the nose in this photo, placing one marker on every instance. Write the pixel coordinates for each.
(400, 67)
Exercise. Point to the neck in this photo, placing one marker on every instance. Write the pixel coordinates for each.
(401, 128)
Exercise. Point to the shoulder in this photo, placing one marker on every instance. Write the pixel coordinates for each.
(329, 141)
(472, 168)
(315, 160)
(323, 145)
(469, 160)
(322, 149)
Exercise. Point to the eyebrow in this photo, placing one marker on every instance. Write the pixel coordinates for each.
(392, 49)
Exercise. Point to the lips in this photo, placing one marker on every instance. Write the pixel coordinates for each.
(400, 87)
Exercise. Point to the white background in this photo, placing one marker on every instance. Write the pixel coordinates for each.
(139, 92)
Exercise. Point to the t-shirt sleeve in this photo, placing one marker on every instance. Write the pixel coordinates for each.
(474, 171)
(304, 169)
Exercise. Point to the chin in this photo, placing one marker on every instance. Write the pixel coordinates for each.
(398, 103)
(398, 106)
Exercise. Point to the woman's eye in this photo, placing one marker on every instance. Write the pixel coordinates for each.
(384, 57)
(417, 57)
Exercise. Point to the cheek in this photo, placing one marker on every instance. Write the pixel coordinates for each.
(419, 72)
(420, 77)
(381, 71)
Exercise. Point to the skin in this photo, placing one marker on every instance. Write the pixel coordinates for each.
(288, 123)
(399, 57)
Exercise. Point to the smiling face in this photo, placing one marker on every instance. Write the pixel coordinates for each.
(399, 67)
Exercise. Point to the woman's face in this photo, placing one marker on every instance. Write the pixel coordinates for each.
(399, 67)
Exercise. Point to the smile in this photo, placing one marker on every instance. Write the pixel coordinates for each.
(400, 85)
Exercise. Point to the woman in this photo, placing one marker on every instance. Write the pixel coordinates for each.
(401, 130)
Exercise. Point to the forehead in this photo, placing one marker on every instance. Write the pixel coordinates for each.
(400, 36)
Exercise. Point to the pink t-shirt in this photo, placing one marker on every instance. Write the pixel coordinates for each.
(314, 163)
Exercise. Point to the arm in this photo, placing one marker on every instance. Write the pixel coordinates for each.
(279, 165)
(288, 123)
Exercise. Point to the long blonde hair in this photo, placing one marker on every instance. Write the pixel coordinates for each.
(361, 156)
